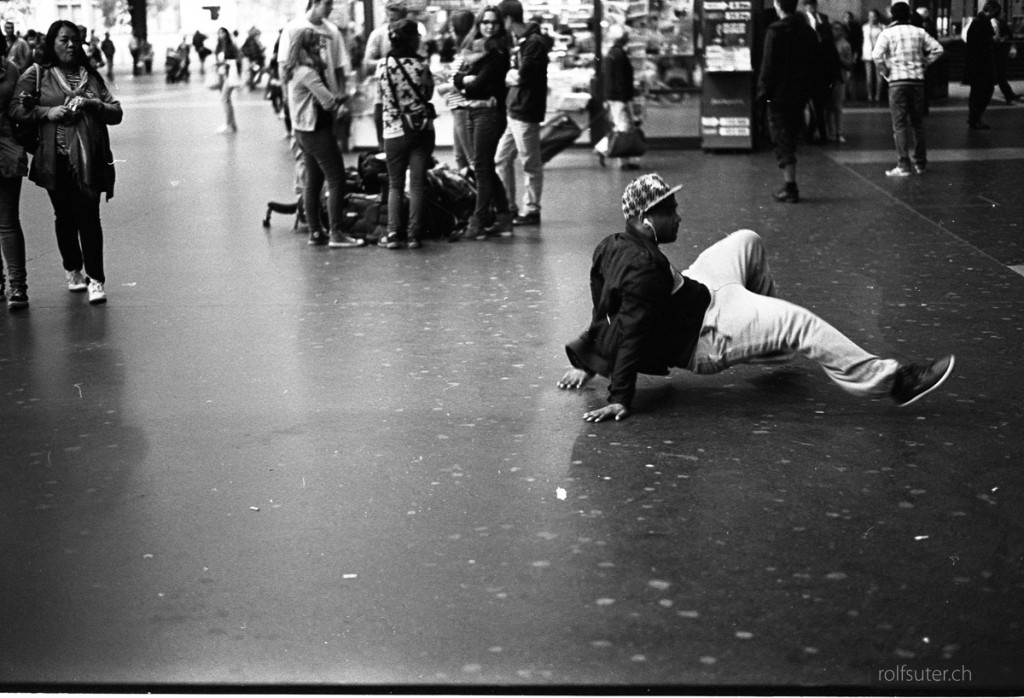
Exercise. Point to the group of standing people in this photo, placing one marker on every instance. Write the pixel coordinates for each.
(497, 90)
(68, 104)
(900, 53)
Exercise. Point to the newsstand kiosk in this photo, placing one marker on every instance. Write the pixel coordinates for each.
(727, 100)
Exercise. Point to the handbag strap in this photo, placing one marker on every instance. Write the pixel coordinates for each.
(412, 84)
(391, 84)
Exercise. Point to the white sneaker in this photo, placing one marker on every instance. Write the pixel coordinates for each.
(76, 282)
(96, 292)
(898, 172)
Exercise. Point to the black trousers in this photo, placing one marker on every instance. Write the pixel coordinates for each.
(978, 99)
(77, 224)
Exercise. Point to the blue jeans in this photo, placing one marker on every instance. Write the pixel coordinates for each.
(907, 104)
(229, 107)
(485, 127)
(12, 240)
(322, 159)
(462, 145)
(746, 321)
(522, 138)
(412, 155)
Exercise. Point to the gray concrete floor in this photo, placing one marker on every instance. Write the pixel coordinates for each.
(265, 463)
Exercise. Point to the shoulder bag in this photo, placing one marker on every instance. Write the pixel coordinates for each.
(627, 144)
(412, 122)
(26, 133)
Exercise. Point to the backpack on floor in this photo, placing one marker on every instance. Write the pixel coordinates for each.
(363, 216)
(451, 198)
(373, 172)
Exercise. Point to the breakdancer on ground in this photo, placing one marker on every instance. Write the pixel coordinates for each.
(722, 311)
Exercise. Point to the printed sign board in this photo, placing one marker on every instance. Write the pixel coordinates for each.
(727, 100)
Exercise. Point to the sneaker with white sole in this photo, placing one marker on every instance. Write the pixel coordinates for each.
(914, 381)
(340, 239)
(76, 281)
(18, 300)
(898, 172)
(96, 292)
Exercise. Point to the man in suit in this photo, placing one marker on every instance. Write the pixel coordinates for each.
(827, 63)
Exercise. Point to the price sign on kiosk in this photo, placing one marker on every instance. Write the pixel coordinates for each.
(727, 101)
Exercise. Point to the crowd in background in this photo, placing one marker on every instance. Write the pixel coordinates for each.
(492, 76)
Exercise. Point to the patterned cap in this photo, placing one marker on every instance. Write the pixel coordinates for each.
(396, 5)
(645, 192)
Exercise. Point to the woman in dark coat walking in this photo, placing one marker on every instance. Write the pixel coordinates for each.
(980, 70)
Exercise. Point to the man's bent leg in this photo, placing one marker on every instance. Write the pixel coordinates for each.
(739, 258)
(741, 326)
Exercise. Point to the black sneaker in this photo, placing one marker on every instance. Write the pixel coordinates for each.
(318, 237)
(17, 301)
(787, 195)
(914, 381)
(527, 219)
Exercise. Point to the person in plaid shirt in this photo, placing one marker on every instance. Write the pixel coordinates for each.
(902, 53)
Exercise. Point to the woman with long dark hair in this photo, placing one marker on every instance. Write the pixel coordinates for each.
(73, 161)
(481, 79)
(13, 166)
(227, 67)
(314, 109)
(405, 86)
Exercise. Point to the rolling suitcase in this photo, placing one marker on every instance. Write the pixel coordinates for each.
(557, 134)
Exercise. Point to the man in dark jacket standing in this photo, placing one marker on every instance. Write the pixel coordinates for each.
(108, 49)
(980, 69)
(527, 103)
(722, 311)
(827, 68)
(785, 83)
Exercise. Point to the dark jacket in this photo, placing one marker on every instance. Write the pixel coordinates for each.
(791, 63)
(90, 157)
(490, 78)
(638, 324)
(981, 41)
(527, 101)
(827, 62)
(618, 76)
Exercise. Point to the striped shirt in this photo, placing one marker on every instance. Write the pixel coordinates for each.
(906, 50)
(73, 78)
